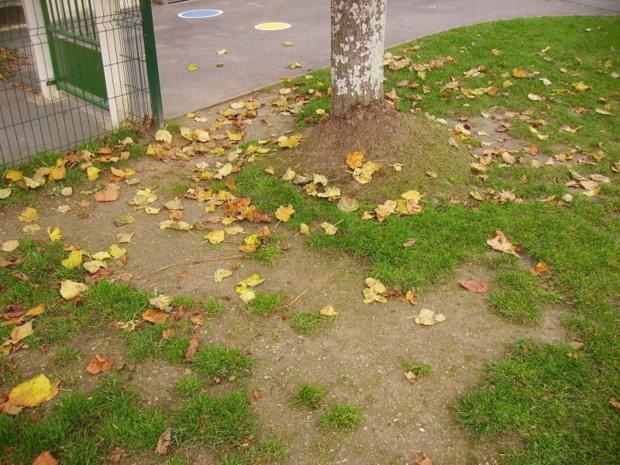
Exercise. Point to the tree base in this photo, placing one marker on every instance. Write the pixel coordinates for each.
(389, 138)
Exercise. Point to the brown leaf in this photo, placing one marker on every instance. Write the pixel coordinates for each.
(117, 454)
(45, 458)
(98, 364)
(257, 395)
(192, 348)
(614, 403)
(474, 285)
(411, 377)
(501, 243)
(164, 441)
(410, 242)
(155, 316)
(539, 269)
(425, 460)
(197, 318)
(167, 333)
(110, 194)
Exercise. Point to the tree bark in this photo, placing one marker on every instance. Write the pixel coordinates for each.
(357, 44)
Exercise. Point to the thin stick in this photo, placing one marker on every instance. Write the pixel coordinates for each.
(192, 262)
(270, 316)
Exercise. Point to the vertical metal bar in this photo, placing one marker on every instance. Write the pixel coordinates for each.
(150, 50)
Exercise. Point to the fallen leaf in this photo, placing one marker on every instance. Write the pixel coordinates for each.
(328, 310)
(73, 261)
(474, 285)
(163, 136)
(29, 215)
(162, 302)
(412, 195)
(124, 238)
(284, 213)
(385, 210)
(216, 237)
(374, 291)
(429, 317)
(164, 441)
(220, 274)
(535, 97)
(348, 204)
(581, 86)
(71, 289)
(92, 173)
(364, 173)
(36, 311)
(355, 159)
(539, 269)
(614, 403)
(45, 458)
(304, 229)
(5, 193)
(155, 316)
(288, 44)
(197, 318)
(329, 228)
(98, 364)
(223, 52)
(21, 332)
(33, 392)
(115, 251)
(410, 242)
(290, 142)
(117, 454)
(109, 194)
(411, 377)
(501, 243)
(143, 197)
(9, 246)
(54, 234)
(193, 67)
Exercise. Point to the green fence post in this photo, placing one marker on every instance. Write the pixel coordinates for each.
(148, 32)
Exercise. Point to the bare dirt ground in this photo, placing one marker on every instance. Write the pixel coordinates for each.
(358, 356)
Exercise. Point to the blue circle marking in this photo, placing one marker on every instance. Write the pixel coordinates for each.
(200, 14)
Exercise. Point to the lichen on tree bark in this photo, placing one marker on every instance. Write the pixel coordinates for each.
(357, 41)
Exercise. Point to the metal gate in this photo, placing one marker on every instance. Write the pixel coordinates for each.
(75, 49)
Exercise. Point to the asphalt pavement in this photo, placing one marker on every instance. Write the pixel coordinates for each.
(258, 58)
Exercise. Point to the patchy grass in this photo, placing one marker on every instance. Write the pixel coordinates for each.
(418, 369)
(308, 396)
(518, 296)
(307, 323)
(342, 417)
(264, 304)
(267, 255)
(216, 361)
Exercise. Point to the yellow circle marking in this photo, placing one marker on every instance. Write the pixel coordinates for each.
(272, 26)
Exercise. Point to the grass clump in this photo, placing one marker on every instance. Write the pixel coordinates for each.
(266, 451)
(308, 396)
(217, 421)
(307, 323)
(342, 417)
(264, 303)
(189, 386)
(518, 296)
(418, 369)
(216, 361)
(267, 255)
(63, 356)
(148, 342)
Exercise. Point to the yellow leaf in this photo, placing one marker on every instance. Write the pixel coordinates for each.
(29, 215)
(234, 136)
(163, 136)
(251, 281)
(93, 266)
(288, 175)
(329, 228)
(13, 175)
(412, 195)
(288, 44)
(193, 67)
(234, 230)
(216, 237)
(54, 234)
(73, 261)
(4, 193)
(36, 311)
(33, 392)
(290, 142)
(374, 291)
(143, 197)
(328, 310)
(101, 256)
(294, 65)
(57, 173)
(21, 332)
(593, 192)
(355, 159)
(581, 86)
(116, 251)
(220, 274)
(247, 295)
(284, 213)
(364, 173)
(501, 243)
(9, 246)
(304, 229)
(71, 289)
(223, 52)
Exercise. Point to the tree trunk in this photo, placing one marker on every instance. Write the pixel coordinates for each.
(358, 37)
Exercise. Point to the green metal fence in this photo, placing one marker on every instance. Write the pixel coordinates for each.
(73, 70)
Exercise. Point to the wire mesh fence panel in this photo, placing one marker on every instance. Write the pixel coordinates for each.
(70, 70)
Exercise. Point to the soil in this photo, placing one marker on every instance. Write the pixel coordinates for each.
(358, 357)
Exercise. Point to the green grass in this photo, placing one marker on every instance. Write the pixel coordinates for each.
(148, 342)
(267, 255)
(216, 421)
(342, 417)
(265, 304)
(83, 428)
(216, 361)
(307, 323)
(65, 355)
(418, 369)
(308, 396)
(267, 451)
(214, 307)
(519, 295)
(189, 386)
